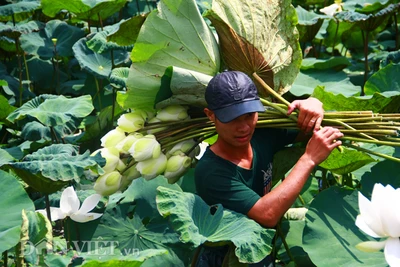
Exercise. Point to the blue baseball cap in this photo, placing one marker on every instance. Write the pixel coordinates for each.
(231, 94)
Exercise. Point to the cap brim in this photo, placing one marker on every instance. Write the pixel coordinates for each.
(230, 113)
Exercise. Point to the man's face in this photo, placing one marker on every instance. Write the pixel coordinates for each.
(237, 132)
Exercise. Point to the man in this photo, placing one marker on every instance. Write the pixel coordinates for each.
(236, 171)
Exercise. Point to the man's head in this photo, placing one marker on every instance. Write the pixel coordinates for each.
(231, 94)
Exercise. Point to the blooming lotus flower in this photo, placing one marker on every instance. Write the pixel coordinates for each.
(380, 218)
(131, 122)
(112, 138)
(108, 183)
(151, 168)
(176, 166)
(127, 142)
(145, 148)
(69, 207)
(331, 10)
(111, 155)
(173, 113)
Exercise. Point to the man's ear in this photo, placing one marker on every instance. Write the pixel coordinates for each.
(210, 114)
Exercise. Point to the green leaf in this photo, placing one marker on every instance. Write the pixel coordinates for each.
(136, 259)
(54, 110)
(18, 11)
(99, 65)
(59, 260)
(13, 200)
(197, 223)
(5, 157)
(131, 220)
(386, 79)
(336, 63)
(15, 31)
(175, 35)
(387, 102)
(119, 77)
(85, 10)
(35, 131)
(41, 43)
(5, 108)
(309, 24)
(336, 82)
(98, 42)
(259, 37)
(187, 88)
(52, 167)
(345, 162)
(127, 31)
(393, 57)
(330, 234)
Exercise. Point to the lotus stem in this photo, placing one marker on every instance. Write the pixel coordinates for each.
(46, 197)
(373, 152)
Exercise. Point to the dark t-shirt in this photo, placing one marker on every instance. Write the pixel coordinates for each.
(219, 181)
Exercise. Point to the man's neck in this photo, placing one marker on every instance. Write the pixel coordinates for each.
(241, 156)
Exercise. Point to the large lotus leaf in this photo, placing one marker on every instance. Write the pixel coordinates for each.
(336, 82)
(58, 164)
(18, 11)
(136, 259)
(185, 87)
(5, 157)
(336, 63)
(5, 107)
(35, 131)
(365, 6)
(7, 44)
(15, 31)
(127, 31)
(335, 30)
(392, 57)
(346, 161)
(13, 200)
(87, 10)
(259, 37)
(175, 35)
(54, 110)
(198, 223)
(387, 102)
(330, 234)
(367, 22)
(386, 79)
(98, 42)
(309, 24)
(41, 43)
(43, 74)
(97, 64)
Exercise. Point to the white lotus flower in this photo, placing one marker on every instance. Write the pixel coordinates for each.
(151, 168)
(112, 158)
(127, 142)
(184, 147)
(176, 166)
(331, 10)
(69, 207)
(131, 122)
(173, 113)
(380, 218)
(108, 183)
(112, 138)
(145, 148)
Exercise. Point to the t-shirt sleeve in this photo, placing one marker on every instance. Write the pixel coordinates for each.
(219, 186)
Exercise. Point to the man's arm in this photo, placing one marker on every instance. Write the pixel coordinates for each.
(270, 208)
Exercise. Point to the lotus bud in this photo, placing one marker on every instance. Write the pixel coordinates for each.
(176, 166)
(111, 156)
(145, 148)
(151, 168)
(331, 10)
(112, 138)
(173, 113)
(182, 148)
(54, 40)
(131, 122)
(150, 114)
(127, 142)
(155, 130)
(128, 176)
(108, 183)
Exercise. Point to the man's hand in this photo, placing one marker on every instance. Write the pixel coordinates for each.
(311, 113)
(322, 143)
